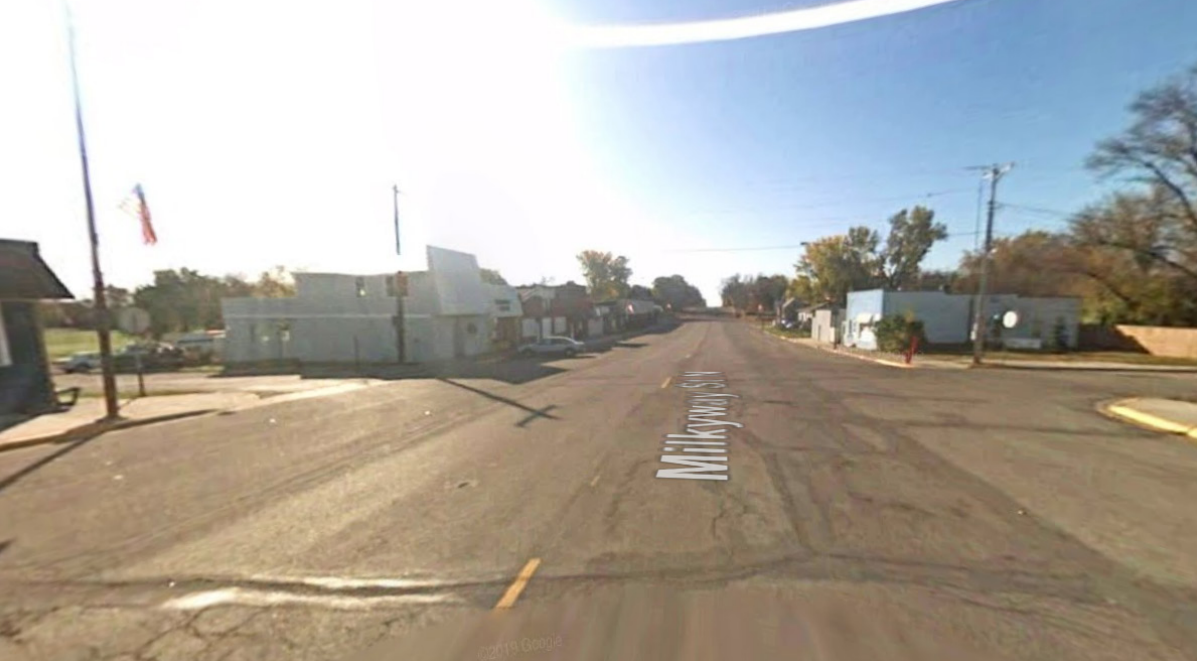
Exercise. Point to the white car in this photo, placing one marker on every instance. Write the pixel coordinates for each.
(550, 345)
(81, 362)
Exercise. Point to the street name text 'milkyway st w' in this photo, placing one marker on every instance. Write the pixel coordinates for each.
(704, 443)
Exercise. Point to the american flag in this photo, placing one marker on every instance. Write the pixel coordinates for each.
(135, 205)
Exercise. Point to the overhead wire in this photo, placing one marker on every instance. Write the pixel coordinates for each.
(799, 246)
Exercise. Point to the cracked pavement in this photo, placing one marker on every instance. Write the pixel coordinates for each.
(992, 506)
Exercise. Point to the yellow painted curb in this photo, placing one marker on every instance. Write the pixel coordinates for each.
(1123, 410)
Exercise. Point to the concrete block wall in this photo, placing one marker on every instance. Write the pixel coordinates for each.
(944, 316)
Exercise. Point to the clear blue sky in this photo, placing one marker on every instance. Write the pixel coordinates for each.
(268, 132)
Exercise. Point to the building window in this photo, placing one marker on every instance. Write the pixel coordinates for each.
(5, 356)
(361, 287)
(502, 305)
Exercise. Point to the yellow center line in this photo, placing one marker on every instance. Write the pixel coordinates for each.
(665, 383)
(521, 581)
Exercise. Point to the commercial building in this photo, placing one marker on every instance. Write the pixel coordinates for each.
(448, 312)
(556, 310)
(25, 383)
(948, 318)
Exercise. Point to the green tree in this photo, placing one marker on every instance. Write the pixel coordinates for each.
(185, 299)
(678, 294)
(832, 266)
(767, 291)
(492, 276)
(277, 282)
(735, 292)
(640, 293)
(1155, 226)
(911, 235)
(1034, 263)
(836, 265)
(606, 276)
(117, 297)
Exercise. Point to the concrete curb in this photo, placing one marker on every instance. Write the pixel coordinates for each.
(93, 429)
(880, 361)
(1123, 409)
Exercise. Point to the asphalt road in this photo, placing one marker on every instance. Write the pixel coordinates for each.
(992, 508)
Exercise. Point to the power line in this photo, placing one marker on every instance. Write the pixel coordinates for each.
(787, 247)
(1032, 209)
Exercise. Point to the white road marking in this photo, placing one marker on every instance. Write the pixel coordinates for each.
(706, 411)
(252, 597)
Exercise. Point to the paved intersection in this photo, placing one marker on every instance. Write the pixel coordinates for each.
(996, 507)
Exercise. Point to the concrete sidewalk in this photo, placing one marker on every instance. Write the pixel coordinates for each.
(965, 362)
(85, 419)
(892, 360)
(1165, 415)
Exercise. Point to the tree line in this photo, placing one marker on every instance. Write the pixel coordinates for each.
(177, 300)
(608, 277)
(1131, 257)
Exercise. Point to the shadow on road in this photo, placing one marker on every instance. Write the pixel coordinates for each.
(532, 413)
(70, 447)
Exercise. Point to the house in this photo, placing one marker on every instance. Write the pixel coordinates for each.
(948, 318)
(448, 312)
(506, 313)
(805, 315)
(788, 310)
(556, 310)
(641, 314)
(25, 383)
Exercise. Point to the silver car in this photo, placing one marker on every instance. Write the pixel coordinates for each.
(553, 345)
(81, 362)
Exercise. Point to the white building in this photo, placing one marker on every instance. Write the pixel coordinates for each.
(340, 318)
(948, 318)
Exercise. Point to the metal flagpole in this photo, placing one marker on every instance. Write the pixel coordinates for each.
(102, 319)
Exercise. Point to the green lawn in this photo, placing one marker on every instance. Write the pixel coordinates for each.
(62, 342)
(780, 332)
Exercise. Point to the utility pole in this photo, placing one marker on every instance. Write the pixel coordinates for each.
(102, 319)
(980, 328)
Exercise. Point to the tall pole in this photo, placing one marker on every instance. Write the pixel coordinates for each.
(102, 319)
(980, 328)
(395, 192)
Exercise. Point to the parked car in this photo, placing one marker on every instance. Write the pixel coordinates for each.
(202, 347)
(82, 362)
(153, 356)
(553, 345)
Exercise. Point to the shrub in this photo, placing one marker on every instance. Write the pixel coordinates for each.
(894, 333)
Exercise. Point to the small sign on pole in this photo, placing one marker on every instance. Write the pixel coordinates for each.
(135, 321)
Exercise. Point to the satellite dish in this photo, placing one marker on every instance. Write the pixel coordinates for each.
(1010, 319)
(133, 321)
